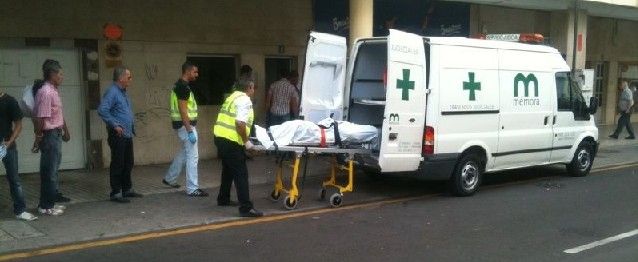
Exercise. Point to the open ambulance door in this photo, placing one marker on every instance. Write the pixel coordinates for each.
(404, 115)
(324, 75)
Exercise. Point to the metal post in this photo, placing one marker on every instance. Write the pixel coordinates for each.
(575, 37)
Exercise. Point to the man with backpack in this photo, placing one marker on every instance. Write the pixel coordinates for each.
(10, 128)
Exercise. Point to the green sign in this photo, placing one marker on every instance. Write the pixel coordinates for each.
(405, 85)
(472, 86)
(526, 80)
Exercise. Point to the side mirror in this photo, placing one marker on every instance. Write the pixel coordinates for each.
(593, 105)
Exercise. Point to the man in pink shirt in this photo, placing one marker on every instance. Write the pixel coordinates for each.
(50, 131)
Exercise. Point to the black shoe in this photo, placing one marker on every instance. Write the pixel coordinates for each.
(251, 213)
(169, 184)
(132, 194)
(228, 204)
(59, 198)
(119, 199)
(630, 137)
(613, 136)
(198, 193)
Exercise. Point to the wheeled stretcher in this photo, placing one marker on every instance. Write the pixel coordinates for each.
(301, 154)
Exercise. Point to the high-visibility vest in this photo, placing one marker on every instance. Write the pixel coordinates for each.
(192, 107)
(225, 125)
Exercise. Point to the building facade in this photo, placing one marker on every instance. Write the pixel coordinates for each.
(220, 36)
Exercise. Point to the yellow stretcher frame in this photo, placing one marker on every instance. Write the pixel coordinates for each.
(301, 155)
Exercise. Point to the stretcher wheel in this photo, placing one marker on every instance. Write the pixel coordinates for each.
(290, 204)
(336, 200)
(274, 196)
(322, 194)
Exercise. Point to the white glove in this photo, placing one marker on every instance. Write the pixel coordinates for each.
(248, 145)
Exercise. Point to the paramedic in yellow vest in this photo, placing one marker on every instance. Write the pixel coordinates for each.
(231, 131)
(184, 118)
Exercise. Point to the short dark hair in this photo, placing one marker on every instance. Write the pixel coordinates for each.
(283, 73)
(49, 67)
(118, 72)
(187, 66)
(245, 69)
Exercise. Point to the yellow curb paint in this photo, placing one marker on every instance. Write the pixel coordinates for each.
(174, 232)
(244, 222)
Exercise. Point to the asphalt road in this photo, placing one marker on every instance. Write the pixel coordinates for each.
(533, 215)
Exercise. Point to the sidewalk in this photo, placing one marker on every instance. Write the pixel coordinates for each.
(90, 216)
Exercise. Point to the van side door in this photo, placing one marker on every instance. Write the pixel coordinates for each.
(571, 117)
(525, 131)
(404, 113)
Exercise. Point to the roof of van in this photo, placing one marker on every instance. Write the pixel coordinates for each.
(464, 41)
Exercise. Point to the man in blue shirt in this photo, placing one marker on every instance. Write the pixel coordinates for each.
(117, 113)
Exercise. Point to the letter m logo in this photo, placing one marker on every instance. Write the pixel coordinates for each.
(394, 118)
(526, 80)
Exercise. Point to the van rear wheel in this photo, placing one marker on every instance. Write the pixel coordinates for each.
(467, 175)
(582, 161)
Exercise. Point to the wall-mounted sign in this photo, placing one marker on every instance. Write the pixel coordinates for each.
(112, 32)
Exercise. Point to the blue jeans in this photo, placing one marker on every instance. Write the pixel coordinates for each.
(50, 157)
(188, 154)
(11, 165)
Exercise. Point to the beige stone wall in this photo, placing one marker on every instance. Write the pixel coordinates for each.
(501, 20)
(160, 34)
(614, 41)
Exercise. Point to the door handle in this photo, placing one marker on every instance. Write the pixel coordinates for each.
(554, 122)
(546, 120)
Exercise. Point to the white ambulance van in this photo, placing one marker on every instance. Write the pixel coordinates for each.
(451, 108)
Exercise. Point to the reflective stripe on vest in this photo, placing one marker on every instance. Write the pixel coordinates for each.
(192, 107)
(225, 125)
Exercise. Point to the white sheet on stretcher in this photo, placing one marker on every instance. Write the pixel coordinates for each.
(299, 132)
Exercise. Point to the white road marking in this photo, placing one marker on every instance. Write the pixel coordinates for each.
(601, 242)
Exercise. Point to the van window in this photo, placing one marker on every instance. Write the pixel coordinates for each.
(563, 92)
(569, 97)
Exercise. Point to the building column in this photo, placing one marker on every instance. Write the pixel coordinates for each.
(562, 36)
(361, 19)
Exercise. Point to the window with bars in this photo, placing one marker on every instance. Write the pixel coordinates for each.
(600, 78)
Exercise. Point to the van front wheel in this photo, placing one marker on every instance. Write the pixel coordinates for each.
(583, 160)
(467, 176)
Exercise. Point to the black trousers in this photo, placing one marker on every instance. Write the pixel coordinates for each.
(624, 121)
(233, 169)
(121, 162)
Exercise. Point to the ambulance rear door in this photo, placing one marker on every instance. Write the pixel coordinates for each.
(404, 115)
(324, 75)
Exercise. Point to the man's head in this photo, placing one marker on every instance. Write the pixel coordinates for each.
(293, 77)
(283, 73)
(623, 85)
(189, 72)
(247, 86)
(52, 72)
(245, 70)
(122, 76)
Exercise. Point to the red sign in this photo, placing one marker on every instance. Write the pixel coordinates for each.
(112, 31)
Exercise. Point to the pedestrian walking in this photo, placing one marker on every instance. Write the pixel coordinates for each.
(184, 119)
(281, 101)
(625, 103)
(116, 111)
(10, 128)
(231, 131)
(50, 130)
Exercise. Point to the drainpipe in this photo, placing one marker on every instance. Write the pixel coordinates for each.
(574, 51)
